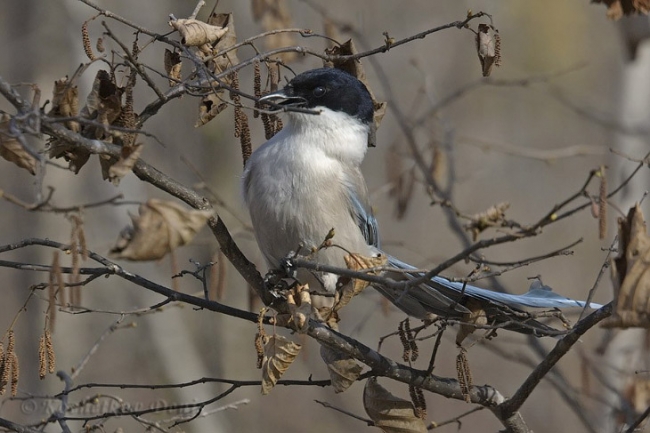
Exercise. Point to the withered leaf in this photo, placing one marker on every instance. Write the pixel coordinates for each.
(117, 170)
(488, 47)
(229, 39)
(631, 274)
(279, 353)
(390, 413)
(76, 156)
(274, 15)
(210, 107)
(195, 33)
(65, 102)
(12, 150)
(213, 103)
(357, 262)
(617, 8)
(103, 104)
(343, 369)
(355, 68)
(173, 66)
(476, 316)
(160, 227)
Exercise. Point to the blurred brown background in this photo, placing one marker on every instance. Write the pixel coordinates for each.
(504, 143)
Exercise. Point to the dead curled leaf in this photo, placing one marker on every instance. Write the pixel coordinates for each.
(124, 165)
(617, 8)
(343, 369)
(213, 103)
(12, 150)
(390, 413)
(279, 354)
(476, 317)
(173, 66)
(488, 47)
(195, 33)
(631, 274)
(160, 227)
(103, 105)
(357, 262)
(65, 102)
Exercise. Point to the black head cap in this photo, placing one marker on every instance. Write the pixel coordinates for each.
(331, 88)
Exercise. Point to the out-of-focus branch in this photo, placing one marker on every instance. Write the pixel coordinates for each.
(561, 348)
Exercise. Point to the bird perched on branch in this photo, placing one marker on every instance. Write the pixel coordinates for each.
(306, 180)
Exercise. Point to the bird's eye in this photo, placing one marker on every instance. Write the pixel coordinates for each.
(319, 91)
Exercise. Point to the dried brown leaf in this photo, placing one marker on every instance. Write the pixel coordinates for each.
(225, 61)
(12, 150)
(160, 227)
(279, 354)
(209, 108)
(195, 33)
(631, 274)
(355, 68)
(390, 413)
(213, 103)
(76, 156)
(116, 171)
(357, 262)
(173, 66)
(103, 104)
(343, 369)
(65, 102)
(617, 8)
(488, 47)
(476, 317)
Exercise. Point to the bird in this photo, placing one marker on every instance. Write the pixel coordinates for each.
(306, 180)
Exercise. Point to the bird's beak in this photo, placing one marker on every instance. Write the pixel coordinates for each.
(284, 98)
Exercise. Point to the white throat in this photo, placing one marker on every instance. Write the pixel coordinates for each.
(335, 133)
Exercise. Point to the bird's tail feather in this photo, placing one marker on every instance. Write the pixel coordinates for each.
(452, 300)
(537, 297)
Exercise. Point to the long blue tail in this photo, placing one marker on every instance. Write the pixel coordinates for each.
(452, 299)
